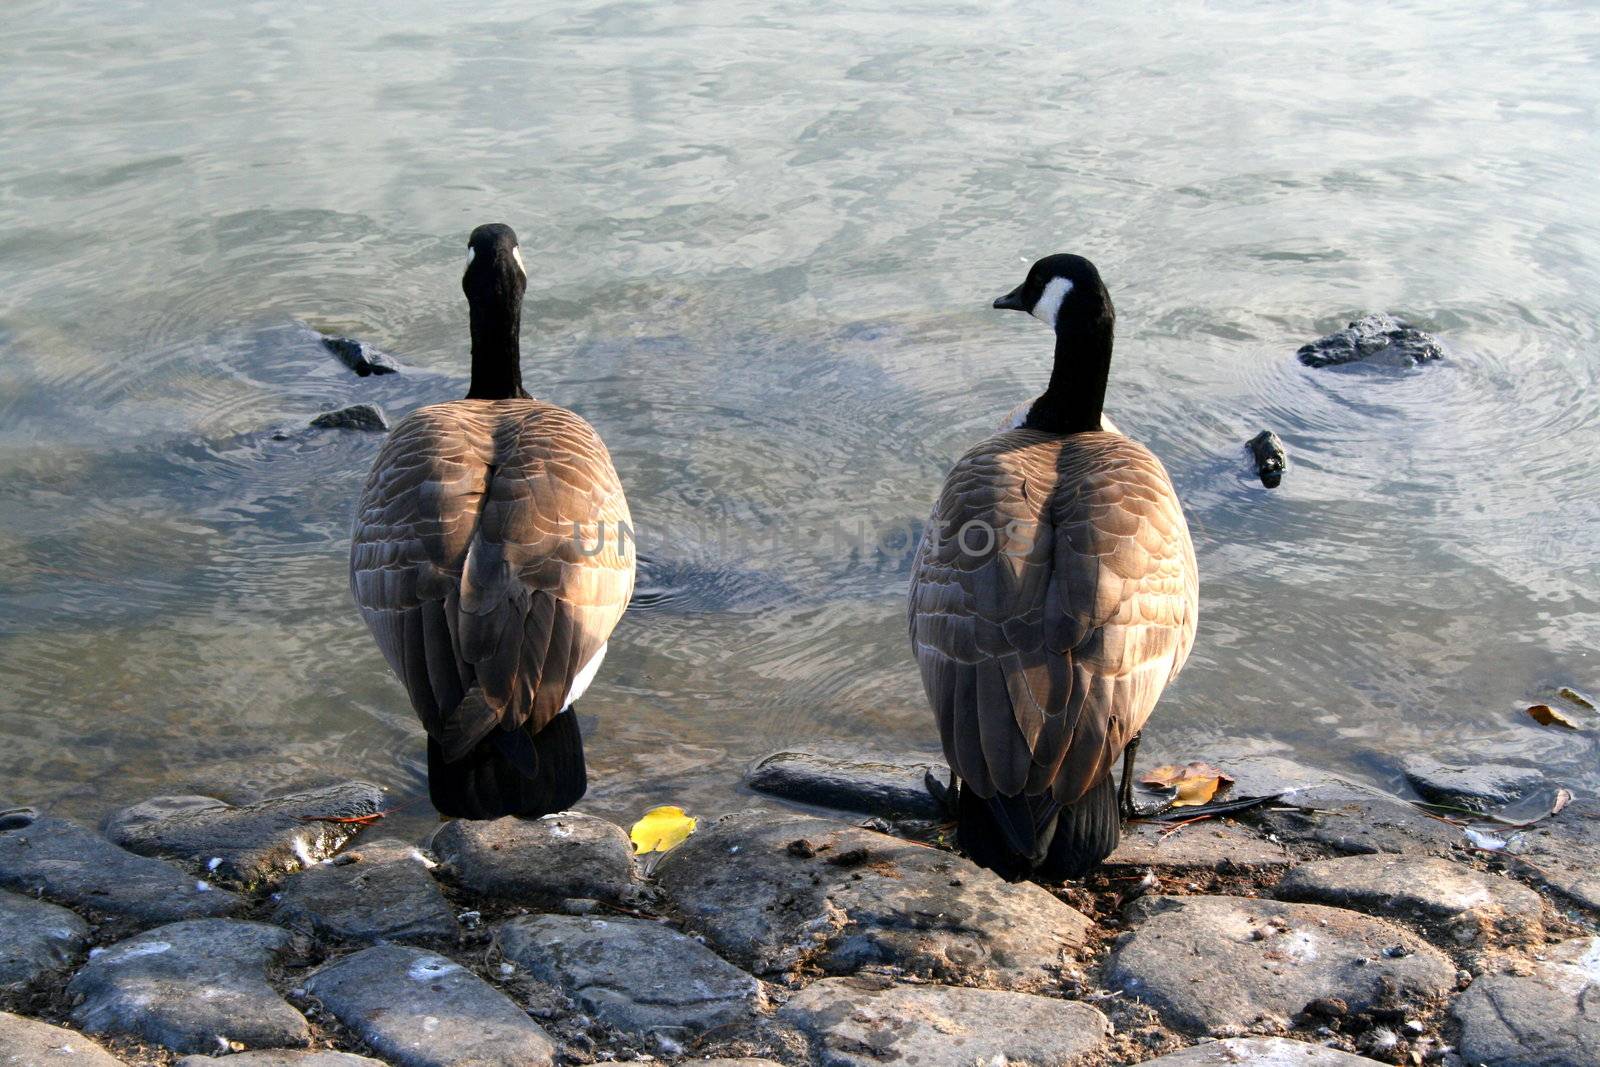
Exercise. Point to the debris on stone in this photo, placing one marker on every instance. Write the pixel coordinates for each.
(567, 854)
(379, 891)
(873, 784)
(36, 939)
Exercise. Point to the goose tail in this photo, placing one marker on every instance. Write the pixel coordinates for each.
(1037, 836)
(512, 772)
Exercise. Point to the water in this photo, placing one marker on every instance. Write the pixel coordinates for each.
(763, 245)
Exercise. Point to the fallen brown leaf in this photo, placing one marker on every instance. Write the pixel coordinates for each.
(1194, 783)
(1545, 715)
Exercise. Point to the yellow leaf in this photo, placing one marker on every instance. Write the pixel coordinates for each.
(1195, 783)
(1545, 715)
(662, 829)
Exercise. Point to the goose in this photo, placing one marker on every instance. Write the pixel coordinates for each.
(491, 560)
(1053, 596)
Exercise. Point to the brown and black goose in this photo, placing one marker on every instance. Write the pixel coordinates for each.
(1054, 595)
(488, 560)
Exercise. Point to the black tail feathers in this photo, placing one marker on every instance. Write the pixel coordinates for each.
(1022, 836)
(512, 773)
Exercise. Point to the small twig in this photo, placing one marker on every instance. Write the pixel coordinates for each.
(1175, 827)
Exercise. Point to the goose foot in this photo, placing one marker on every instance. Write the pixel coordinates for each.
(943, 793)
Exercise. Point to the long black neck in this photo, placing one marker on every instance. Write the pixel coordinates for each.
(496, 351)
(1077, 392)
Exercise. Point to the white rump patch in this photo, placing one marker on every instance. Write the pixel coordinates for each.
(1049, 303)
(471, 253)
(585, 676)
(516, 254)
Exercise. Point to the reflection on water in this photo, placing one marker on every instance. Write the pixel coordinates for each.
(763, 246)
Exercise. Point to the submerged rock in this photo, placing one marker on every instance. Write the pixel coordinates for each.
(568, 854)
(1419, 888)
(1266, 448)
(251, 845)
(61, 860)
(30, 1043)
(1547, 1018)
(419, 1009)
(191, 987)
(355, 417)
(381, 891)
(633, 974)
(1382, 340)
(1231, 965)
(360, 356)
(1477, 787)
(36, 939)
(770, 890)
(858, 1022)
(890, 786)
(1263, 1051)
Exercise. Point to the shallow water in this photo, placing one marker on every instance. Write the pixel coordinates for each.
(763, 245)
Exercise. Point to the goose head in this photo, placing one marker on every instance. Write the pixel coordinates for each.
(1064, 292)
(494, 281)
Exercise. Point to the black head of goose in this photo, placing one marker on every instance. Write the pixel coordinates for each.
(1054, 595)
(491, 560)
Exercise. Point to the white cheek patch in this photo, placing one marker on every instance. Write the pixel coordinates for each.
(516, 254)
(1049, 303)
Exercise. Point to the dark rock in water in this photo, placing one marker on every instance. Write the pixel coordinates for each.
(852, 898)
(1271, 460)
(1549, 1018)
(875, 785)
(61, 860)
(1262, 1051)
(1381, 340)
(36, 939)
(380, 891)
(1477, 787)
(281, 1058)
(558, 856)
(355, 417)
(1236, 964)
(190, 987)
(360, 356)
(252, 845)
(420, 1009)
(859, 1022)
(633, 974)
(28, 1042)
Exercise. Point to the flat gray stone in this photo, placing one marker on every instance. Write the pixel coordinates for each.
(1560, 853)
(31, 1043)
(191, 987)
(281, 1058)
(874, 784)
(420, 1009)
(1353, 820)
(1260, 1052)
(1476, 787)
(770, 890)
(61, 860)
(1225, 847)
(857, 1022)
(1549, 1018)
(36, 939)
(1230, 965)
(633, 974)
(568, 854)
(1418, 887)
(251, 845)
(378, 891)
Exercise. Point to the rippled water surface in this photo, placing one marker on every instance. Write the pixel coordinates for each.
(762, 241)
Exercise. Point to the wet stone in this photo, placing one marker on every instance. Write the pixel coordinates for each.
(250, 845)
(1224, 847)
(558, 856)
(1424, 888)
(367, 417)
(281, 1058)
(1233, 965)
(36, 939)
(856, 1022)
(770, 890)
(633, 974)
(1560, 853)
(61, 860)
(191, 987)
(379, 891)
(1356, 821)
(30, 1043)
(1549, 1018)
(1476, 787)
(886, 785)
(359, 356)
(1377, 340)
(420, 1009)
(1262, 1051)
